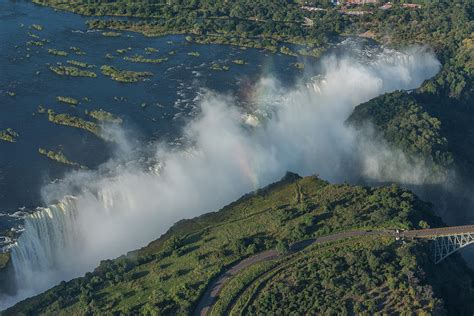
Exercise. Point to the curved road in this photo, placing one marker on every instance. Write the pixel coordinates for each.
(212, 293)
(210, 296)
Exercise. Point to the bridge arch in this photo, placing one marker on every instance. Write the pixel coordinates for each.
(443, 246)
(445, 240)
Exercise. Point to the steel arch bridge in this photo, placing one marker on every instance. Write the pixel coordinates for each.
(445, 241)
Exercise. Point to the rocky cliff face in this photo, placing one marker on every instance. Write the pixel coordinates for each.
(7, 282)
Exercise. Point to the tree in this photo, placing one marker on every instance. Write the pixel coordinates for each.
(282, 247)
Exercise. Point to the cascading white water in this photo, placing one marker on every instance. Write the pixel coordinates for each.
(50, 234)
(306, 134)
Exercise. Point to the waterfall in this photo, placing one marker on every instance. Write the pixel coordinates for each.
(127, 207)
(50, 235)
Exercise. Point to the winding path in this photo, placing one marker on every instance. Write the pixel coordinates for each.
(212, 293)
(213, 290)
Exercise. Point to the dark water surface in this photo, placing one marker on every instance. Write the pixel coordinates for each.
(170, 95)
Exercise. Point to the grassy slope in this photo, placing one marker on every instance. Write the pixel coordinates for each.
(170, 274)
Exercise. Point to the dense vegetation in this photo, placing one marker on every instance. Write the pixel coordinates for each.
(270, 24)
(434, 121)
(363, 276)
(67, 100)
(73, 121)
(126, 76)
(359, 276)
(80, 64)
(170, 274)
(57, 52)
(438, 129)
(260, 24)
(401, 119)
(446, 26)
(104, 116)
(72, 71)
(142, 59)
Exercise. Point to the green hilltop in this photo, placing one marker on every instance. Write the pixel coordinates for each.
(362, 273)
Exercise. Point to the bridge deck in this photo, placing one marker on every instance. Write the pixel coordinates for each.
(438, 232)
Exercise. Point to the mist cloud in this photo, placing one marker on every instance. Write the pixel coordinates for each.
(228, 152)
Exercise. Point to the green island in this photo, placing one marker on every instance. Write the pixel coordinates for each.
(126, 76)
(59, 157)
(239, 62)
(56, 52)
(123, 50)
(104, 116)
(359, 274)
(194, 54)
(72, 71)
(298, 65)
(287, 51)
(33, 35)
(142, 59)
(42, 109)
(77, 50)
(74, 121)
(219, 67)
(151, 50)
(80, 64)
(35, 43)
(37, 27)
(9, 135)
(67, 100)
(111, 34)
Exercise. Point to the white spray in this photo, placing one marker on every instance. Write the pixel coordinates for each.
(303, 131)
